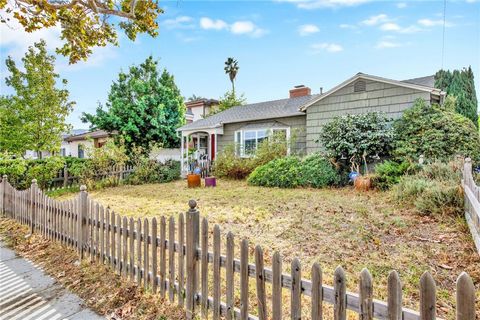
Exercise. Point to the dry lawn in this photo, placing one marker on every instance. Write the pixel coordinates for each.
(331, 226)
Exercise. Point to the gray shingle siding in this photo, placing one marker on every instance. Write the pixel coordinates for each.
(379, 96)
(296, 124)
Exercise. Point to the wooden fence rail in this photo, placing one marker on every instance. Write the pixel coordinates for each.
(472, 202)
(172, 257)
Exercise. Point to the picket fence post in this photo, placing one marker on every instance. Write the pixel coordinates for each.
(65, 175)
(33, 204)
(4, 193)
(82, 221)
(193, 227)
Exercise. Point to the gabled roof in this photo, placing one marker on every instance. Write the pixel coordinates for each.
(89, 135)
(255, 111)
(428, 81)
(412, 84)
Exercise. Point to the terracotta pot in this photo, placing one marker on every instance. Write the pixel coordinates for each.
(194, 180)
(363, 183)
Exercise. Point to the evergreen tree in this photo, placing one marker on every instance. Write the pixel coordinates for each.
(144, 106)
(461, 85)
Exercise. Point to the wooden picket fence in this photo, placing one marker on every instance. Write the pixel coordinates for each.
(65, 179)
(472, 202)
(171, 256)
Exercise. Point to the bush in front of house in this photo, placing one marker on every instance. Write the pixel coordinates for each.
(358, 138)
(435, 189)
(436, 132)
(283, 173)
(318, 172)
(231, 166)
(290, 172)
(151, 171)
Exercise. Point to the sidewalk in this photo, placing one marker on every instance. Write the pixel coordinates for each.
(27, 293)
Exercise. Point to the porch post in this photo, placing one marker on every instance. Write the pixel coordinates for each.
(182, 159)
(215, 146)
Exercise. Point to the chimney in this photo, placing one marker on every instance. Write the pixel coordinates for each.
(300, 91)
(321, 90)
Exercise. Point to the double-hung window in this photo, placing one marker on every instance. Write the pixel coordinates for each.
(247, 141)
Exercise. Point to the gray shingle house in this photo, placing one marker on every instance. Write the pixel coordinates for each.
(303, 114)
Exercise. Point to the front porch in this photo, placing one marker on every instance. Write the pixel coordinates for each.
(198, 150)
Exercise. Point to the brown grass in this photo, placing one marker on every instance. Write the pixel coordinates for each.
(102, 290)
(331, 226)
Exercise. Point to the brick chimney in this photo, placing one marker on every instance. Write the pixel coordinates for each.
(300, 91)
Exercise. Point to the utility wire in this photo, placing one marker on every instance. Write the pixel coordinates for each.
(443, 35)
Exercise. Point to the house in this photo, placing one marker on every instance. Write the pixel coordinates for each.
(199, 109)
(64, 147)
(302, 115)
(79, 143)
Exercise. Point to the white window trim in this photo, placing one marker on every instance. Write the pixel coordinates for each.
(241, 143)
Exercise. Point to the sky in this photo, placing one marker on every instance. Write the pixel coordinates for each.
(278, 44)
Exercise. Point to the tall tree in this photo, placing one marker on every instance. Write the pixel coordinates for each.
(36, 114)
(461, 85)
(84, 23)
(231, 68)
(144, 106)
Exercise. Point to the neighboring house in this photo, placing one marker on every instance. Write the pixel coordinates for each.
(64, 147)
(199, 109)
(78, 144)
(302, 114)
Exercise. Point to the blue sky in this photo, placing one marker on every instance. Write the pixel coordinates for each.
(279, 44)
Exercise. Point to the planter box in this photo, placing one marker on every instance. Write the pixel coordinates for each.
(210, 182)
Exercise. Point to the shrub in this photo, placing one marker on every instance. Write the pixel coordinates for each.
(357, 138)
(282, 173)
(435, 189)
(229, 165)
(313, 171)
(100, 165)
(389, 173)
(318, 172)
(151, 171)
(15, 169)
(437, 132)
(44, 171)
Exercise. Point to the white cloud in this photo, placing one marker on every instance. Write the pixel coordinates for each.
(347, 26)
(318, 4)
(390, 26)
(180, 22)
(209, 24)
(374, 20)
(238, 27)
(433, 23)
(401, 5)
(387, 45)
(241, 27)
(307, 29)
(329, 47)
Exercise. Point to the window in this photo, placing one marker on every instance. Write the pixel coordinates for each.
(81, 152)
(247, 141)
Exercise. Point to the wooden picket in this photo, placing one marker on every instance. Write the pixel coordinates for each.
(174, 258)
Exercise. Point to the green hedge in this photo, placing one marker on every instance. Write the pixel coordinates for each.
(21, 172)
(290, 172)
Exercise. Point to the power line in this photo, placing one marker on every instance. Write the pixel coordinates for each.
(443, 35)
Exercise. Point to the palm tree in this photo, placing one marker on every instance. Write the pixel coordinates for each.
(231, 68)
